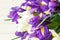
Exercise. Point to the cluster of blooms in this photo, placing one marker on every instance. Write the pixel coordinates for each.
(31, 17)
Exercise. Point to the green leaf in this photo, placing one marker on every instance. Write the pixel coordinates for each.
(55, 23)
(57, 29)
(56, 19)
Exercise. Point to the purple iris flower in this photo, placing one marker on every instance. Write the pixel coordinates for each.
(59, 12)
(47, 34)
(14, 15)
(21, 34)
(38, 33)
(58, 9)
(47, 1)
(52, 6)
(35, 4)
(35, 21)
(34, 0)
(39, 6)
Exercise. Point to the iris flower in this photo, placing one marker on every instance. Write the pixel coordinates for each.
(42, 33)
(14, 14)
(40, 6)
(42, 11)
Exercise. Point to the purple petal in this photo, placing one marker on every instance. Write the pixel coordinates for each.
(47, 1)
(39, 34)
(15, 18)
(21, 10)
(59, 12)
(44, 8)
(19, 34)
(35, 21)
(32, 10)
(53, 4)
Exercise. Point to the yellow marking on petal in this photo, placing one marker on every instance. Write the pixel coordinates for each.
(28, 8)
(47, 12)
(43, 3)
(40, 15)
(42, 30)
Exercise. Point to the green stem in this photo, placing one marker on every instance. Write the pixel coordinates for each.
(8, 19)
(15, 38)
(43, 21)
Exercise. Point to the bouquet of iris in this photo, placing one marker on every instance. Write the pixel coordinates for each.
(37, 20)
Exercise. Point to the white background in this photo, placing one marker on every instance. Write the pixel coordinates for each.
(7, 28)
